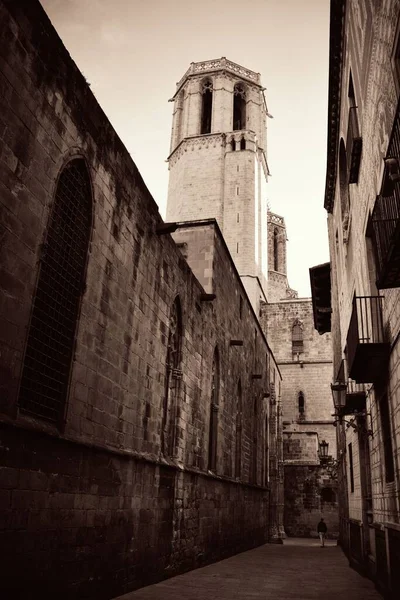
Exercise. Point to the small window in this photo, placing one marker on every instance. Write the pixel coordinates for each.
(301, 405)
(243, 144)
(233, 145)
(297, 338)
(351, 468)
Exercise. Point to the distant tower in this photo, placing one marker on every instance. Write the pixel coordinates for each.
(278, 286)
(218, 167)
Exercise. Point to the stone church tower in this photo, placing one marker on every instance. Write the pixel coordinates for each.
(218, 167)
(278, 286)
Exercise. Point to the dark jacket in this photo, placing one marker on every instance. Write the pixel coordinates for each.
(322, 528)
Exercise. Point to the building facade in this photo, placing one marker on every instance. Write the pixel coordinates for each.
(140, 401)
(362, 199)
(305, 361)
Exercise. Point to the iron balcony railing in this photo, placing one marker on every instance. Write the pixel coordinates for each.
(367, 349)
(354, 388)
(353, 146)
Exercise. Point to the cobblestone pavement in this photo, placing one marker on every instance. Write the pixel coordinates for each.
(299, 569)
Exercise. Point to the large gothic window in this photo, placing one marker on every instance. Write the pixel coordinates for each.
(239, 107)
(51, 337)
(297, 337)
(239, 426)
(172, 377)
(206, 106)
(214, 406)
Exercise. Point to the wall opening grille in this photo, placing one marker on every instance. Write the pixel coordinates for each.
(50, 343)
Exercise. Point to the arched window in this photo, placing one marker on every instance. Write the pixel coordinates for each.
(214, 406)
(61, 281)
(276, 237)
(239, 425)
(233, 144)
(172, 376)
(206, 106)
(266, 451)
(239, 107)
(254, 453)
(243, 144)
(297, 338)
(301, 405)
(344, 185)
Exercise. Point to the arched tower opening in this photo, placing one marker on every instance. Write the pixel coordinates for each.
(239, 107)
(206, 106)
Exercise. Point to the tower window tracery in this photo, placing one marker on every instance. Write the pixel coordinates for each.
(239, 107)
(206, 106)
(276, 262)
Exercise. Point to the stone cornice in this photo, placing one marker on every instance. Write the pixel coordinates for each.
(336, 47)
(219, 64)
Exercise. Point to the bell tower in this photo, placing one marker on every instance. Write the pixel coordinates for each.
(217, 162)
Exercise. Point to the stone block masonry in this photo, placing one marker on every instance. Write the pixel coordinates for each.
(118, 490)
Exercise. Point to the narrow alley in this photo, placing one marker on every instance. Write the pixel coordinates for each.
(298, 569)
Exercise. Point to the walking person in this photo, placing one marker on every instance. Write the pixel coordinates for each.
(322, 529)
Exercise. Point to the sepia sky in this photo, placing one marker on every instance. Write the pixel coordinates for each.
(133, 52)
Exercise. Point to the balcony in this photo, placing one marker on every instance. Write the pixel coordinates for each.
(367, 348)
(353, 146)
(355, 398)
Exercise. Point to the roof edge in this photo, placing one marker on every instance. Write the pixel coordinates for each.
(336, 47)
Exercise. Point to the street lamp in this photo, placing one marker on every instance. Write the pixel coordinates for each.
(338, 389)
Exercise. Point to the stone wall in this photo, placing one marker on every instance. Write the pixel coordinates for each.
(309, 495)
(306, 423)
(93, 504)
